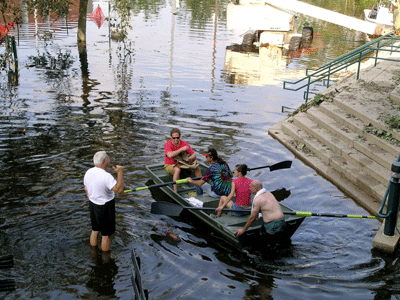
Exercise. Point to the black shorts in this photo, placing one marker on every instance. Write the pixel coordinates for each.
(102, 217)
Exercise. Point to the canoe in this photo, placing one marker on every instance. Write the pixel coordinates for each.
(227, 224)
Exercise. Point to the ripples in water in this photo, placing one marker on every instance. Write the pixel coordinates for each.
(53, 122)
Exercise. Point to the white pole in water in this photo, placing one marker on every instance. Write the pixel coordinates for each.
(325, 15)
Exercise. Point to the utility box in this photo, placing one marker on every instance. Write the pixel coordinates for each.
(274, 38)
(258, 16)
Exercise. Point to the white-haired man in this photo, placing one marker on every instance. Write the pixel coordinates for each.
(100, 188)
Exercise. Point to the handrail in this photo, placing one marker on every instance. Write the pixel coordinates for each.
(380, 211)
(342, 62)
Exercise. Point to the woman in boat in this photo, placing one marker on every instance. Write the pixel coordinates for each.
(217, 181)
(240, 186)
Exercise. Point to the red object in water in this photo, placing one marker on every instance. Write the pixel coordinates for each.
(4, 29)
(97, 16)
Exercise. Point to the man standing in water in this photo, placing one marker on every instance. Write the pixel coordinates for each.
(266, 203)
(179, 155)
(100, 188)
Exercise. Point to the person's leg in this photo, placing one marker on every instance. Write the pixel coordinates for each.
(106, 243)
(197, 172)
(108, 225)
(228, 205)
(94, 209)
(175, 177)
(93, 238)
(223, 202)
(220, 205)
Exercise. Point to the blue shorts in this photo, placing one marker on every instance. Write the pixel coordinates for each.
(102, 217)
(274, 226)
(239, 213)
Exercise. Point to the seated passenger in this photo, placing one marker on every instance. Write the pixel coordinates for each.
(179, 155)
(240, 186)
(217, 181)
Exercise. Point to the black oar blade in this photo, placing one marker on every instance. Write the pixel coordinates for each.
(6, 261)
(7, 285)
(6, 265)
(6, 257)
(282, 165)
(165, 208)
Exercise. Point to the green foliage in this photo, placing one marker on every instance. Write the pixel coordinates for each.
(392, 121)
(383, 134)
(318, 99)
(59, 8)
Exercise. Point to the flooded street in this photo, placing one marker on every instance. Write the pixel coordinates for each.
(173, 75)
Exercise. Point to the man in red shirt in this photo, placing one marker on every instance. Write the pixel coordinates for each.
(178, 155)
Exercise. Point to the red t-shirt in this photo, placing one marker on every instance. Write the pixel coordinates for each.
(242, 190)
(169, 146)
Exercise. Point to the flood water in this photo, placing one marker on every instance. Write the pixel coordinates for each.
(173, 75)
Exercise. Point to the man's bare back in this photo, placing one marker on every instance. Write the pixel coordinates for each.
(269, 207)
(264, 203)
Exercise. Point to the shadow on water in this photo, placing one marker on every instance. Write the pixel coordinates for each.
(102, 274)
(68, 105)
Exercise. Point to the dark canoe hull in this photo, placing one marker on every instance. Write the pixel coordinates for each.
(226, 225)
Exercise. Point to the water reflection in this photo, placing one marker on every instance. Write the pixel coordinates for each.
(267, 67)
(125, 100)
(102, 275)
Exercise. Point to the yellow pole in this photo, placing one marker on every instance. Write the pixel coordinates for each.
(396, 14)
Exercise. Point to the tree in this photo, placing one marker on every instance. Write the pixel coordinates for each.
(82, 24)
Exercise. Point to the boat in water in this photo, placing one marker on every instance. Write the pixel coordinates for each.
(381, 14)
(227, 224)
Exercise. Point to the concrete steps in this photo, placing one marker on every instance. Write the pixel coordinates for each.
(336, 137)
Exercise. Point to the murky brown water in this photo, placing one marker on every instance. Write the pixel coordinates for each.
(172, 77)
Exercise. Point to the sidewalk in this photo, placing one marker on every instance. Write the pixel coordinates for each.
(347, 136)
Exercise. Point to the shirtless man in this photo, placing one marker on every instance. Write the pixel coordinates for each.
(264, 202)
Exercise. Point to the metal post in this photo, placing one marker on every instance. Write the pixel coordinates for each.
(376, 55)
(359, 66)
(393, 201)
(329, 75)
(308, 87)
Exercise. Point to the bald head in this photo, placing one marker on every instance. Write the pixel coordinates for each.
(255, 186)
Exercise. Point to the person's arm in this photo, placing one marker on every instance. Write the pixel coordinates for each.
(119, 186)
(191, 158)
(253, 216)
(87, 194)
(172, 154)
(228, 198)
(195, 182)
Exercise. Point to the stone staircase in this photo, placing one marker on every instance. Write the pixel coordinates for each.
(344, 133)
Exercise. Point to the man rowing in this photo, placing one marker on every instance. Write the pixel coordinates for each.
(266, 204)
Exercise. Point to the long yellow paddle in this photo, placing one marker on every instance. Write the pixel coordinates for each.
(161, 184)
(174, 210)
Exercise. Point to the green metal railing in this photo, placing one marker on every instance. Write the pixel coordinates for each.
(370, 50)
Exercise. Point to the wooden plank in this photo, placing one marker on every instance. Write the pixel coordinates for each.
(137, 278)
